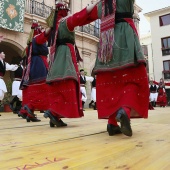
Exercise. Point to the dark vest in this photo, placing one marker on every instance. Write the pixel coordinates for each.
(2, 68)
(153, 88)
(94, 83)
(18, 72)
(82, 81)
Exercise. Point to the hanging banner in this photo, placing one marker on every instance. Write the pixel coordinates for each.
(12, 14)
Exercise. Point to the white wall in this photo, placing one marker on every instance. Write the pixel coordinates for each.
(158, 32)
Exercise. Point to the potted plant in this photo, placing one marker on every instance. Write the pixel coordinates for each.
(7, 97)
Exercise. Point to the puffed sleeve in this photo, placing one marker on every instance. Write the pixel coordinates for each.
(77, 19)
(96, 13)
(41, 38)
(88, 78)
(167, 84)
(11, 67)
(155, 82)
(82, 18)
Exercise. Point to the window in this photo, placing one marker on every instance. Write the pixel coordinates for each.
(165, 46)
(166, 70)
(97, 27)
(166, 65)
(164, 20)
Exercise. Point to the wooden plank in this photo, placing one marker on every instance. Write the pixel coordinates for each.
(85, 144)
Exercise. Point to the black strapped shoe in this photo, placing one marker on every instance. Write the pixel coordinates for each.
(113, 130)
(124, 121)
(11, 104)
(32, 119)
(21, 115)
(60, 123)
(29, 111)
(54, 120)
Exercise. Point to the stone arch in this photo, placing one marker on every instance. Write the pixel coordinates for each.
(13, 51)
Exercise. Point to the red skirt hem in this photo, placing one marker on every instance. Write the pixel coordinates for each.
(123, 88)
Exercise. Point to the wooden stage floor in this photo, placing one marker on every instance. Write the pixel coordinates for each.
(84, 144)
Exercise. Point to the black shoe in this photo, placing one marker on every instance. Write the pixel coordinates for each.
(21, 115)
(59, 124)
(14, 100)
(113, 130)
(29, 111)
(95, 108)
(54, 120)
(17, 107)
(90, 105)
(32, 119)
(124, 121)
(15, 112)
(11, 107)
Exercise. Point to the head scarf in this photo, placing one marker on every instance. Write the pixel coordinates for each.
(35, 30)
(61, 11)
(105, 52)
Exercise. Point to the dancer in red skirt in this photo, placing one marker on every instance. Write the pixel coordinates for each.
(33, 82)
(122, 84)
(63, 76)
(162, 98)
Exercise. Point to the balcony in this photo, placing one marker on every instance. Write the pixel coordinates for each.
(37, 8)
(89, 29)
(42, 10)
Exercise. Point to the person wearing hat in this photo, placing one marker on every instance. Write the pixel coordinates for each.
(63, 76)
(4, 66)
(35, 72)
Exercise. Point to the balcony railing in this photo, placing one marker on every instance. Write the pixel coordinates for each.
(37, 8)
(40, 9)
(89, 29)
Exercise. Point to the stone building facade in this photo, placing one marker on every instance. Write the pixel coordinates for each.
(87, 36)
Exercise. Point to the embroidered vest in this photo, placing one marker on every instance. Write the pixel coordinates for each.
(82, 81)
(2, 68)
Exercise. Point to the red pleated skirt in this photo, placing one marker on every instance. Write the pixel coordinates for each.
(63, 98)
(127, 87)
(162, 99)
(35, 96)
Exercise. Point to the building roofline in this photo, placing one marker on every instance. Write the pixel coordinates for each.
(139, 8)
(156, 11)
